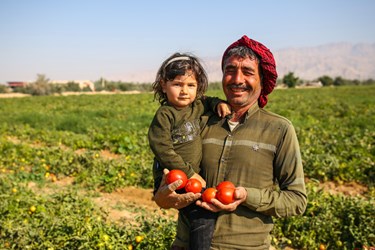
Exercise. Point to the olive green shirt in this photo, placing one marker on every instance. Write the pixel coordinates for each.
(262, 155)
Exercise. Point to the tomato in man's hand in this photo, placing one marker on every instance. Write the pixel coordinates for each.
(225, 195)
(174, 175)
(209, 194)
(193, 185)
(223, 184)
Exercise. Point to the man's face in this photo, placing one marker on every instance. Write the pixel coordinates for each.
(241, 81)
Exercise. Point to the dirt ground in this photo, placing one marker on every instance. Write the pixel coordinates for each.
(143, 197)
(115, 202)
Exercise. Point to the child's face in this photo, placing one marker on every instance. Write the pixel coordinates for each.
(182, 90)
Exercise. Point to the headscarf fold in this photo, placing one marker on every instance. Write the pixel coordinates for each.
(267, 65)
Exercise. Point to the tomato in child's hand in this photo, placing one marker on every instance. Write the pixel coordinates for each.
(174, 175)
(223, 184)
(193, 185)
(209, 194)
(225, 195)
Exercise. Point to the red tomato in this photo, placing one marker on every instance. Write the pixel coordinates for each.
(225, 195)
(209, 194)
(193, 185)
(227, 184)
(174, 175)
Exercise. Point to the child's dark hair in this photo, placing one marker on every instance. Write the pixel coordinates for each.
(178, 64)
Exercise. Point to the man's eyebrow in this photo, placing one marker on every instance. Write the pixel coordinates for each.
(233, 66)
(251, 68)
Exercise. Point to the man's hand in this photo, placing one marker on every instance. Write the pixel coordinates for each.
(166, 197)
(240, 195)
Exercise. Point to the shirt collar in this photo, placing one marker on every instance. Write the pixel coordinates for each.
(252, 110)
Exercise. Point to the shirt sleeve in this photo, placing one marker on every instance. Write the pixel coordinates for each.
(161, 144)
(289, 198)
(210, 103)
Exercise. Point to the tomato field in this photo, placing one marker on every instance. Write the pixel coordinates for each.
(99, 143)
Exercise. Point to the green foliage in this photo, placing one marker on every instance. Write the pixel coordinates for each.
(72, 86)
(67, 220)
(290, 80)
(101, 142)
(103, 84)
(339, 81)
(215, 86)
(4, 88)
(40, 87)
(336, 221)
(335, 130)
(326, 80)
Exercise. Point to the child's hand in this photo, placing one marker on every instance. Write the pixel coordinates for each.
(223, 109)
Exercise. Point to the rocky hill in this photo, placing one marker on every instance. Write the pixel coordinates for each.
(350, 61)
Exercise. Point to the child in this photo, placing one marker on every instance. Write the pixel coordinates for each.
(174, 134)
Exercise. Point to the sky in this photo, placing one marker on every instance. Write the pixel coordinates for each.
(120, 40)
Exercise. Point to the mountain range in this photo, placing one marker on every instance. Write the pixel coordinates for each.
(349, 61)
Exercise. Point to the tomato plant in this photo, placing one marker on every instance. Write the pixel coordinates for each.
(176, 174)
(104, 147)
(209, 194)
(225, 195)
(193, 185)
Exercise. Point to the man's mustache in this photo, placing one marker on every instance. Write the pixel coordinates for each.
(239, 86)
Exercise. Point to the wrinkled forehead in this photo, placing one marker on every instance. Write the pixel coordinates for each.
(240, 61)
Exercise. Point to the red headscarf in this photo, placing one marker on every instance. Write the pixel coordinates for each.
(267, 64)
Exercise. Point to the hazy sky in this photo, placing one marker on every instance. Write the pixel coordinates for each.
(117, 39)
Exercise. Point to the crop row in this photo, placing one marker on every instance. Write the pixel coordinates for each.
(100, 142)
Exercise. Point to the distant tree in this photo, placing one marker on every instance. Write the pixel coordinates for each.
(100, 84)
(40, 87)
(339, 81)
(356, 82)
(368, 82)
(72, 86)
(326, 80)
(4, 88)
(57, 88)
(290, 80)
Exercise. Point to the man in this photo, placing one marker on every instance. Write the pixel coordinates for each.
(255, 149)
